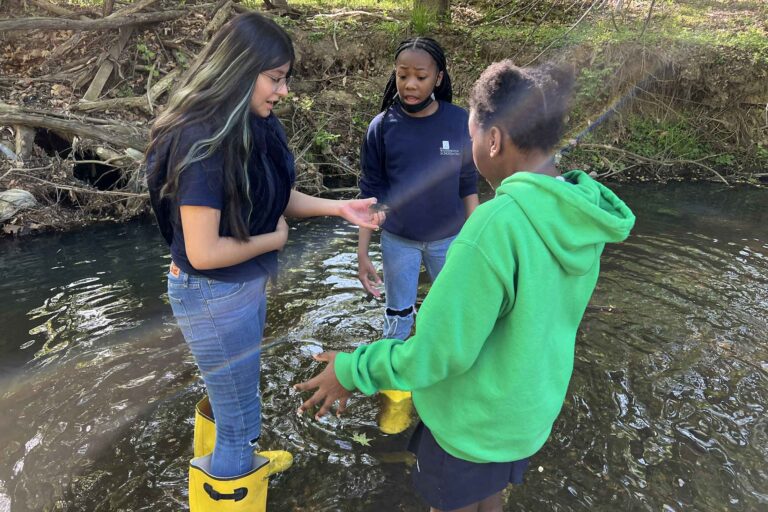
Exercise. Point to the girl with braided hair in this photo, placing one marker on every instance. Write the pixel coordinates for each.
(417, 159)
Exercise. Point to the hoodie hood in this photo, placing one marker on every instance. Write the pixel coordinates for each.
(574, 218)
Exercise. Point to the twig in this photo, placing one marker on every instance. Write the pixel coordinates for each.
(664, 163)
(502, 18)
(567, 31)
(149, 89)
(132, 8)
(355, 13)
(335, 44)
(648, 18)
(87, 190)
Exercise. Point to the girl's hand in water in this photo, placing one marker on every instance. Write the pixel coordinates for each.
(359, 212)
(367, 275)
(329, 389)
(282, 232)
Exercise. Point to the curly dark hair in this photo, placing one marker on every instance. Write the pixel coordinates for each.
(529, 104)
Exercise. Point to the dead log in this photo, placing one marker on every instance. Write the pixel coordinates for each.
(107, 66)
(107, 23)
(132, 8)
(141, 102)
(219, 18)
(53, 8)
(119, 136)
(25, 141)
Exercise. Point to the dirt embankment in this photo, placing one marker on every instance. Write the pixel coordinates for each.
(76, 104)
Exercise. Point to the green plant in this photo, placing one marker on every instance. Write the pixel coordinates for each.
(324, 138)
(422, 20)
(181, 58)
(146, 54)
(665, 139)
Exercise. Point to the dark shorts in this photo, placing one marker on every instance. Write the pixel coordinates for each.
(447, 483)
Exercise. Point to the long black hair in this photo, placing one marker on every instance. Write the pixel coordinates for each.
(215, 94)
(442, 92)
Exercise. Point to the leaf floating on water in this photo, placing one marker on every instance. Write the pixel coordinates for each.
(361, 439)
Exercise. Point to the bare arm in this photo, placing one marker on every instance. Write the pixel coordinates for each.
(301, 205)
(355, 211)
(207, 250)
(470, 203)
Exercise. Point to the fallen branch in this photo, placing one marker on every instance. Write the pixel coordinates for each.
(355, 13)
(132, 8)
(141, 102)
(556, 40)
(220, 17)
(81, 25)
(53, 8)
(107, 65)
(663, 163)
(97, 192)
(116, 135)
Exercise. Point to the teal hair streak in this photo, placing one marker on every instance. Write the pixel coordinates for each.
(204, 148)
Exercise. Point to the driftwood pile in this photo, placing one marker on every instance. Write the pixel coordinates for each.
(78, 92)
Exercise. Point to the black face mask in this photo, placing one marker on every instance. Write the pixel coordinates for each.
(414, 109)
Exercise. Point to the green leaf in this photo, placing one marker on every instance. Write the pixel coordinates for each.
(361, 439)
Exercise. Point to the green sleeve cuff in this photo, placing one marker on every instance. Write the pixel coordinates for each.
(343, 367)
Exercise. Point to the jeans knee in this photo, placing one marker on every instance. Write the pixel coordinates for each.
(398, 323)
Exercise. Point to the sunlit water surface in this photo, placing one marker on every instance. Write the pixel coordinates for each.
(666, 409)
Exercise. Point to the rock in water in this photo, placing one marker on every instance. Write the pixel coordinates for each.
(14, 200)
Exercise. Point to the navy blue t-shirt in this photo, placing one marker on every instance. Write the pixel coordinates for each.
(201, 184)
(421, 167)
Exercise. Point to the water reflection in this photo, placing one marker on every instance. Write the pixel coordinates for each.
(666, 410)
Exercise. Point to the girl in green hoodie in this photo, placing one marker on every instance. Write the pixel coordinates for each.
(492, 356)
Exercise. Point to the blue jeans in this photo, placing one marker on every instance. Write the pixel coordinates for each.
(402, 264)
(223, 325)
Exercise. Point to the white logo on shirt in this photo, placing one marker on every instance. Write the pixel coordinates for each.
(447, 151)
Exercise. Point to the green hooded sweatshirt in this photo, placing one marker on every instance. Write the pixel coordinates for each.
(492, 356)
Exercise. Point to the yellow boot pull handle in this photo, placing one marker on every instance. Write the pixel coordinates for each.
(237, 495)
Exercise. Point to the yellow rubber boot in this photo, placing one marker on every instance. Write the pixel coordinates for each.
(244, 493)
(205, 428)
(395, 412)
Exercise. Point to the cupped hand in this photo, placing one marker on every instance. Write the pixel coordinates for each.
(358, 211)
(367, 275)
(329, 389)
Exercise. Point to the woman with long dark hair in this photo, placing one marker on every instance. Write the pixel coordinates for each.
(221, 177)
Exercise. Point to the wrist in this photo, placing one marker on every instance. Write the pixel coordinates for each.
(276, 241)
(338, 206)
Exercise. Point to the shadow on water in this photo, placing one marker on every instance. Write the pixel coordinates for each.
(666, 410)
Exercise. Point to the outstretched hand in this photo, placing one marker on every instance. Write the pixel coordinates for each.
(329, 389)
(359, 212)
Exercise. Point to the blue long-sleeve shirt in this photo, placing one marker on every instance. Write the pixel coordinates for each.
(421, 167)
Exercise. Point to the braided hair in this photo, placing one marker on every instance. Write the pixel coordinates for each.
(442, 92)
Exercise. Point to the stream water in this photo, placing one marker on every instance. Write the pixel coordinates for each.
(666, 409)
